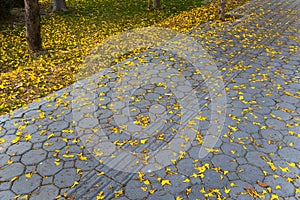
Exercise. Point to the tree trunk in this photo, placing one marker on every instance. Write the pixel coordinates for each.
(59, 5)
(33, 29)
(222, 9)
(156, 4)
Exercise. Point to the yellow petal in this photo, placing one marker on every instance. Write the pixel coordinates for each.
(165, 182)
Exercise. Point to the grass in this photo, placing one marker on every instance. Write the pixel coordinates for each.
(69, 36)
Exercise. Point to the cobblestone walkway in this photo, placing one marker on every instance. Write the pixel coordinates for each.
(62, 147)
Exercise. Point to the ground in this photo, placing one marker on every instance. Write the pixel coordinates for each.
(208, 114)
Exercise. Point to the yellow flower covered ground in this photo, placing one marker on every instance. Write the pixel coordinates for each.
(68, 37)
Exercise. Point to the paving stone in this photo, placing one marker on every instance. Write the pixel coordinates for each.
(47, 180)
(248, 128)
(33, 157)
(292, 140)
(54, 143)
(7, 195)
(5, 186)
(255, 158)
(134, 191)
(122, 198)
(58, 126)
(235, 192)
(16, 159)
(283, 115)
(38, 145)
(287, 189)
(104, 114)
(88, 122)
(273, 135)
(3, 160)
(118, 105)
(250, 173)
(69, 164)
(289, 99)
(10, 171)
(104, 100)
(48, 167)
(31, 128)
(66, 178)
(264, 110)
(289, 154)
(19, 148)
(239, 104)
(5, 145)
(232, 176)
(90, 164)
(177, 183)
(284, 169)
(23, 185)
(233, 149)
(286, 105)
(276, 124)
(225, 162)
(32, 114)
(264, 146)
(212, 179)
(49, 191)
(255, 118)
(161, 195)
(30, 169)
(185, 166)
(10, 124)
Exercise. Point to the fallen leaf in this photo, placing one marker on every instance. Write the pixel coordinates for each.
(262, 184)
(165, 182)
(252, 192)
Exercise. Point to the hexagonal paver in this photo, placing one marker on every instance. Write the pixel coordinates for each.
(10, 171)
(3, 159)
(7, 195)
(91, 163)
(48, 167)
(255, 158)
(289, 154)
(276, 124)
(19, 148)
(25, 185)
(235, 192)
(33, 157)
(292, 140)
(178, 184)
(264, 146)
(5, 145)
(5, 186)
(185, 166)
(58, 126)
(233, 149)
(46, 191)
(54, 143)
(66, 178)
(250, 173)
(88, 122)
(225, 162)
(213, 179)
(161, 195)
(134, 191)
(284, 188)
(196, 194)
